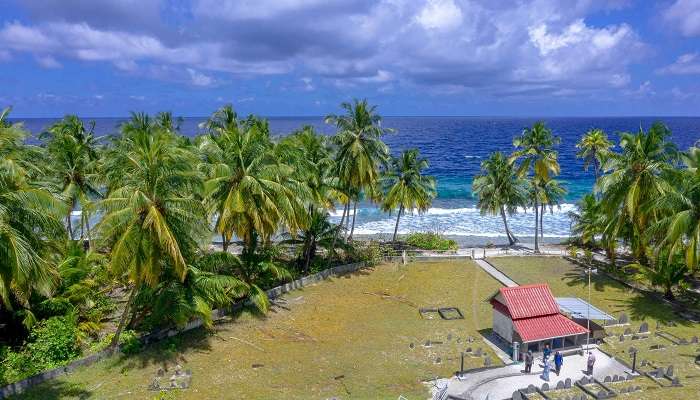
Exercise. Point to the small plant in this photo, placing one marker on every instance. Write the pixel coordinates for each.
(130, 342)
(588, 256)
(573, 252)
(430, 241)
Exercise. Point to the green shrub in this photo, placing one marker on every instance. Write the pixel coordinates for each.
(130, 342)
(430, 241)
(51, 343)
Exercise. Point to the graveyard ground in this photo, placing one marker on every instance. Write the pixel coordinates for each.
(358, 336)
(570, 280)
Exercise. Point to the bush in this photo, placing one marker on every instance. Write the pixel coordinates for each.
(430, 241)
(51, 343)
(370, 253)
(130, 342)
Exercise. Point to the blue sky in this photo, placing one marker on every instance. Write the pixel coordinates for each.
(303, 57)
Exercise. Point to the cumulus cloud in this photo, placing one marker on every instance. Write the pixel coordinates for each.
(497, 47)
(684, 15)
(686, 64)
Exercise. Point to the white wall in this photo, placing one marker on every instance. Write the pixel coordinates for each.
(503, 326)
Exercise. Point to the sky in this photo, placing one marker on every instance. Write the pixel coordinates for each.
(100, 58)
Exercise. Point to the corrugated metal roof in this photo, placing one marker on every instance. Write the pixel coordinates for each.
(546, 327)
(579, 308)
(529, 301)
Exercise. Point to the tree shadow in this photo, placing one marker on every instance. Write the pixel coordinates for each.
(643, 306)
(599, 282)
(54, 389)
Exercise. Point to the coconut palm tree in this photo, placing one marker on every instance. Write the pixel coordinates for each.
(587, 221)
(249, 190)
(500, 190)
(551, 195)
(72, 151)
(666, 271)
(535, 150)
(406, 186)
(319, 232)
(29, 221)
(152, 221)
(635, 181)
(594, 148)
(360, 151)
(679, 228)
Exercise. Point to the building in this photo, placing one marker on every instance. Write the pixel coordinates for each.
(529, 315)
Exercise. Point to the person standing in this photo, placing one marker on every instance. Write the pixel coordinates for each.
(546, 353)
(591, 361)
(558, 361)
(529, 358)
(545, 371)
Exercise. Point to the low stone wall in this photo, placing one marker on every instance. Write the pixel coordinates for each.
(20, 386)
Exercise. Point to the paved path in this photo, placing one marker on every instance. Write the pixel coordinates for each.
(496, 274)
(500, 383)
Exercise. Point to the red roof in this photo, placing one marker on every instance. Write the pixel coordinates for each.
(546, 327)
(529, 301)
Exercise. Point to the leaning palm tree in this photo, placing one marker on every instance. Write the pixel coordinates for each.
(500, 190)
(72, 151)
(152, 222)
(360, 151)
(535, 149)
(636, 180)
(406, 187)
(29, 222)
(551, 195)
(594, 148)
(249, 191)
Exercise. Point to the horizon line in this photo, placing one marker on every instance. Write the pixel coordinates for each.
(11, 117)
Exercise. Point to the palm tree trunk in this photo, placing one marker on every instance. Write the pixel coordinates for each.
(69, 225)
(89, 235)
(123, 319)
(310, 251)
(511, 238)
(396, 228)
(352, 229)
(224, 242)
(335, 237)
(542, 210)
(537, 244)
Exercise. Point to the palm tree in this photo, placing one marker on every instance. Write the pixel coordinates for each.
(594, 148)
(680, 226)
(29, 221)
(587, 221)
(360, 151)
(500, 190)
(72, 151)
(667, 271)
(152, 221)
(319, 232)
(635, 181)
(249, 190)
(535, 149)
(406, 187)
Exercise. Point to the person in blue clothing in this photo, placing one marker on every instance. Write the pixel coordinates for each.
(546, 353)
(558, 362)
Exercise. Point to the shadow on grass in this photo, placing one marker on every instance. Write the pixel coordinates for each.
(54, 389)
(644, 306)
(579, 277)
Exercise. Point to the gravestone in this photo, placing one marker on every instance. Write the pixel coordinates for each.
(601, 394)
(632, 350)
(622, 338)
(470, 339)
(607, 379)
(657, 347)
(531, 389)
(644, 327)
(623, 390)
(567, 383)
(628, 331)
(669, 371)
(487, 361)
(545, 387)
(683, 341)
(643, 363)
(478, 352)
(517, 395)
(694, 340)
(468, 350)
(623, 318)
(411, 346)
(560, 385)
(675, 381)
(427, 343)
(438, 360)
(615, 378)
(449, 336)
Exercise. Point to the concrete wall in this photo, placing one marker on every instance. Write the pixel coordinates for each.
(20, 386)
(503, 326)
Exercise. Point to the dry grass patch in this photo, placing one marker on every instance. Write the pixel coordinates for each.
(348, 337)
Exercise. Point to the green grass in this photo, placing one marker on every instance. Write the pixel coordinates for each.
(568, 279)
(348, 337)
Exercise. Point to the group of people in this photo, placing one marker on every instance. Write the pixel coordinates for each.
(558, 361)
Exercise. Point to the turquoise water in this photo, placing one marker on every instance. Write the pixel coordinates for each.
(455, 147)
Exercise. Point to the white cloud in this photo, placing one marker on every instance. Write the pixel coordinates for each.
(686, 64)
(308, 83)
(47, 62)
(200, 79)
(684, 15)
(440, 14)
(138, 98)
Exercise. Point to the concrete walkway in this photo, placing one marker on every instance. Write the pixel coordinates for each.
(500, 383)
(496, 274)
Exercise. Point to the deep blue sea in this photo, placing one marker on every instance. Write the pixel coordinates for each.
(455, 147)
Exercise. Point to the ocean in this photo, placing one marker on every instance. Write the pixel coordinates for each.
(455, 147)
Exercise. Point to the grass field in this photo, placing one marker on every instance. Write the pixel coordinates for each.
(567, 279)
(358, 336)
